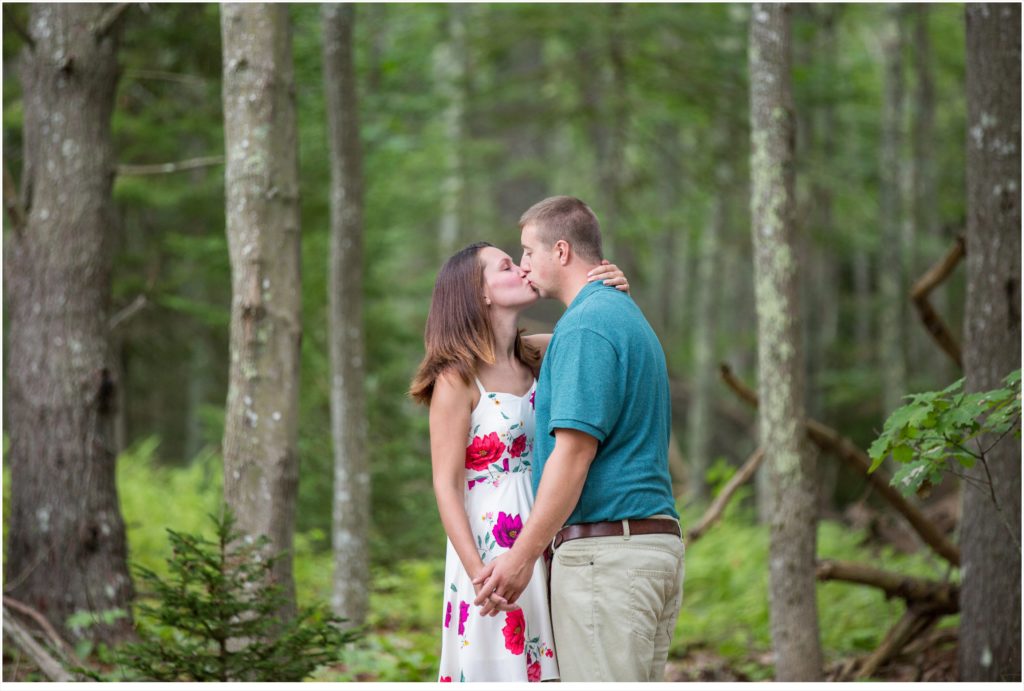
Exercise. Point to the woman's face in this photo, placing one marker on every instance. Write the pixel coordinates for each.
(505, 284)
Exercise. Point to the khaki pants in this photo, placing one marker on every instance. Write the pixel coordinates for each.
(614, 604)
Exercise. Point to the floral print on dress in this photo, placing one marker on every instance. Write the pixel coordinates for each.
(507, 529)
(498, 496)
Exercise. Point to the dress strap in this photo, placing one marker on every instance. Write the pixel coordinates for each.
(480, 386)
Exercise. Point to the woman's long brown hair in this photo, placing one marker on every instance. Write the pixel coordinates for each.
(458, 333)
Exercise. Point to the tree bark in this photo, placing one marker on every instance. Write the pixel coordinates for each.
(262, 195)
(450, 67)
(794, 616)
(891, 275)
(990, 625)
(351, 512)
(66, 548)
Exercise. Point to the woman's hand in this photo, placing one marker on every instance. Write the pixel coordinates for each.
(610, 275)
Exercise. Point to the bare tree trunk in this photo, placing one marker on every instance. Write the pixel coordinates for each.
(66, 549)
(699, 422)
(261, 465)
(450, 67)
(925, 190)
(891, 274)
(794, 615)
(990, 596)
(351, 515)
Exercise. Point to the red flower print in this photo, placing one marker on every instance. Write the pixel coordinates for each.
(515, 631)
(507, 529)
(484, 451)
(518, 445)
(463, 616)
(533, 672)
(445, 679)
(532, 405)
(549, 652)
(448, 616)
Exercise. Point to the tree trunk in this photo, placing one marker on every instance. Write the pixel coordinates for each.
(924, 190)
(450, 68)
(262, 195)
(891, 275)
(351, 515)
(990, 623)
(704, 323)
(66, 547)
(794, 616)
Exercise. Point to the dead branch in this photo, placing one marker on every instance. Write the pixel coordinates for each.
(919, 296)
(911, 625)
(830, 440)
(128, 312)
(938, 597)
(62, 646)
(717, 507)
(13, 204)
(37, 653)
(173, 167)
(108, 19)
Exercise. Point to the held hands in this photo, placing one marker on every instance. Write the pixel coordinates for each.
(610, 275)
(500, 583)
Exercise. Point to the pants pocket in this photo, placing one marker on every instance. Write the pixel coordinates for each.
(648, 592)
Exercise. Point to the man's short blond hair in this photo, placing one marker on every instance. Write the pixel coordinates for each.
(569, 219)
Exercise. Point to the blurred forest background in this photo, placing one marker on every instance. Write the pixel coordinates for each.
(468, 114)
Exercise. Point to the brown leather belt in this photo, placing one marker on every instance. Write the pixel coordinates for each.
(637, 526)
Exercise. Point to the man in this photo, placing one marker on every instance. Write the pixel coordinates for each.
(604, 500)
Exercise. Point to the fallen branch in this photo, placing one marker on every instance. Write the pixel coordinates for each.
(919, 296)
(830, 440)
(912, 624)
(62, 646)
(717, 507)
(938, 597)
(21, 638)
(173, 167)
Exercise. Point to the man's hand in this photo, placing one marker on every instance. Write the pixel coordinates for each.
(501, 582)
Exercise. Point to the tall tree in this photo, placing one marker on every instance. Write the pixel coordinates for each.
(261, 465)
(892, 273)
(990, 595)
(345, 321)
(794, 615)
(66, 548)
(450, 66)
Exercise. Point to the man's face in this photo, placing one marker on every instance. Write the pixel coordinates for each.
(538, 262)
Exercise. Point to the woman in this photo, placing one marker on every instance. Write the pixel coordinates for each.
(478, 377)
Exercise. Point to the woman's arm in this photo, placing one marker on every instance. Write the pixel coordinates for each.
(450, 409)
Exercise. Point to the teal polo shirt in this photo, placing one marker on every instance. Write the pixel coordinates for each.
(604, 373)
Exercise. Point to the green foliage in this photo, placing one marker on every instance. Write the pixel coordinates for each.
(215, 618)
(938, 427)
(726, 602)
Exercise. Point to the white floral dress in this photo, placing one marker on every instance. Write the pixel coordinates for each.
(517, 645)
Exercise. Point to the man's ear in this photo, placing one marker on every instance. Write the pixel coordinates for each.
(563, 249)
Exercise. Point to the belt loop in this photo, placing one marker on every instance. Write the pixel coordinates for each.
(625, 528)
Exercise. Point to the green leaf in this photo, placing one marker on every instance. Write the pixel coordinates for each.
(903, 454)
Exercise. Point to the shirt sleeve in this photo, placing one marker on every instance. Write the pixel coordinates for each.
(587, 384)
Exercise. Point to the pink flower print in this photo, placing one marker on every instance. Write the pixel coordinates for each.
(507, 529)
(532, 669)
(549, 652)
(518, 446)
(448, 616)
(463, 616)
(483, 451)
(445, 679)
(532, 405)
(515, 631)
